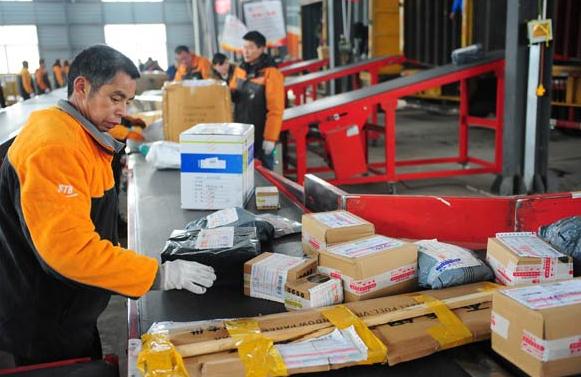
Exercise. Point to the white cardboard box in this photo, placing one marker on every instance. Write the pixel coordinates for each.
(217, 165)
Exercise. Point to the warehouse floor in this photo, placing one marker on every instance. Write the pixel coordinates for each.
(419, 134)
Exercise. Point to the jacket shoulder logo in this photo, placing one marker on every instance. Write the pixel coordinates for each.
(67, 190)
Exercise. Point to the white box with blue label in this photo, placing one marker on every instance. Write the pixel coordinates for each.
(217, 165)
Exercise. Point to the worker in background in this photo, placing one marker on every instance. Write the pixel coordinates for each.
(222, 69)
(57, 71)
(27, 86)
(259, 96)
(190, 66)
(151, 65)
(60, 260)
(66, 70)
(41, 78)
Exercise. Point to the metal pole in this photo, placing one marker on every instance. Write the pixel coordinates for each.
(531, 117)
(196, 25)
(331, 38)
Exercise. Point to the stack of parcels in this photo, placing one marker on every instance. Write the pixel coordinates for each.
(538, 329)
(523, 258)
(321, 230)
(384, 330)
(190, 102)
(217, 165)
(371, 267)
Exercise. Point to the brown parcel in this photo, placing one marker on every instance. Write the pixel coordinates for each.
(523, 335)
(405, 340)
(185, 106)
(308, 267)
(313, 291)
(387, 272)
(328, 228)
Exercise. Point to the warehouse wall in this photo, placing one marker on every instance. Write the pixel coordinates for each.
(65, 27)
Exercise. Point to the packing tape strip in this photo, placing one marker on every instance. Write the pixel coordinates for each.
(257, 353)
(159, 357)
(451, 332)
(342, 317)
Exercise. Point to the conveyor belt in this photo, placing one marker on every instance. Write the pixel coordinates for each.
(399, 84)
(13, 117)
(306, 65)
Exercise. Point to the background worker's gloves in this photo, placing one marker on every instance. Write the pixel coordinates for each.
(268, 147)
(181, 274)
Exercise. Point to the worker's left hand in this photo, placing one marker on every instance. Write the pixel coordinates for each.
(268, 147)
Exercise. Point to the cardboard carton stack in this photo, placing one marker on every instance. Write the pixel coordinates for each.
(523, 258)
(538, 329)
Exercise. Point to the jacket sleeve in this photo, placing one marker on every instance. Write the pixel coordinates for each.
(27, 83)
(205, 67)
(56, 209)
(275, 96)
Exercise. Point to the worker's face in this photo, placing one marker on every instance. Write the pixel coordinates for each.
(222, 68)
(104, 107)
(251, 52)
(184, 58)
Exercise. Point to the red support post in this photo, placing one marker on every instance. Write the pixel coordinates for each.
(463, 129)
(390, 106)
(498, 137)
(300, 136)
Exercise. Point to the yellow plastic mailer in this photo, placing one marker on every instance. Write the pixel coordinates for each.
(159, 358)
(342, 317)
(257, 353)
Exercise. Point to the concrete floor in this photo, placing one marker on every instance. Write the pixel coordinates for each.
(419, 134)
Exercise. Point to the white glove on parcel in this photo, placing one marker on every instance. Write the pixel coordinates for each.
(268, 146)
(181, 274)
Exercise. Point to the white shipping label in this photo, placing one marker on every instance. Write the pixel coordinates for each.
(338, 347)
(375, 283)
(527, 244)
(268, 276)
(212, 163)
(217, 238)
(363, 247)
(550, 269)
(549, 350)
(547, 295)
(223, 217)
(328, 293)
(337, 219)
(448, 256)
(499, 325)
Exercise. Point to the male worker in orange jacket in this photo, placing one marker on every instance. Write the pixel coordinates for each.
(57, 71)
(190, 65)
(59, 255)
(259, 96)
(41, 78)
(27, 87)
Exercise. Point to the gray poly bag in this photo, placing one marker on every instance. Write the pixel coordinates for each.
(565, 236)
(441, 265)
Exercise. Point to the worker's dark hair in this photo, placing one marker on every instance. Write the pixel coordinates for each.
(256, 37)
(25, 63)
(41, 61)
(57, 62)
(66, 62)
(181, 49)
(99, 64)
(219, 58)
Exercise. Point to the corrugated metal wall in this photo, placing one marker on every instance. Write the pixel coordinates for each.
(65, 27)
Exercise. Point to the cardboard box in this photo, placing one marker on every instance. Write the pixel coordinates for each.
(217, 166)
(314, 291)
(523, 258)
(265, 276)
(150, 81)
(328, 228)
(372, 267)
(405, 340)
(187, 103)
(267, 198)
(537, 327)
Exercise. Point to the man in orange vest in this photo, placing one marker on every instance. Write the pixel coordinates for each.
(41, 78)
(190, 65)
(259, 96)
(57, 71)
(27, 87)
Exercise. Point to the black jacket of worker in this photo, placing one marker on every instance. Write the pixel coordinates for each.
(59, 256)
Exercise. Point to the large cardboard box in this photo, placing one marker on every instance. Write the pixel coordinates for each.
(523, 258)
(327, 228)
(314, 291)
(265, 276)
(405, 340)
(372, 267)
(190, 102)
(538, 328)
(217, 165)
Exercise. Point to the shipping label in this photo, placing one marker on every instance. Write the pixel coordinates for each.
(527, 244)
(549, 350)
(499, 325)
(268, 276)
(337, 219)
(223, 217)
(364, 247)
(217, 238)
(547, 295)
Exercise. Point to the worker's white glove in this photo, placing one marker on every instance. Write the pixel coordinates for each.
(268, 146)
(181, 274)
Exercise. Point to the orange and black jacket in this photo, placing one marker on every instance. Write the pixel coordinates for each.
(41, 79)
(259, 97)
(201, 69)
(59, 79)
(59, 254)
(26, 81)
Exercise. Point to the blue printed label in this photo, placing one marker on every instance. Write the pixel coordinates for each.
(212, 163)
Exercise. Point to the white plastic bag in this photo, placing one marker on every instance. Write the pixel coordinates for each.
(164, 155)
